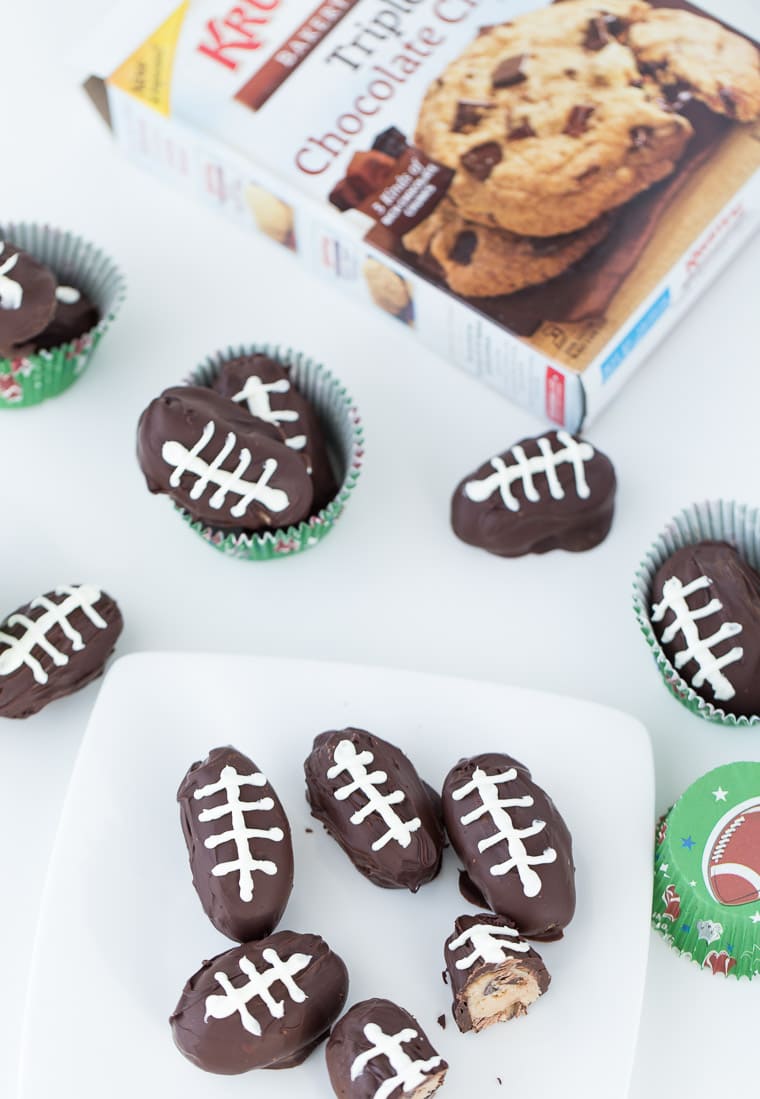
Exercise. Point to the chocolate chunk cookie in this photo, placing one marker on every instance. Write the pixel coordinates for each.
(478, 261)
(548, 123)
(700, 57)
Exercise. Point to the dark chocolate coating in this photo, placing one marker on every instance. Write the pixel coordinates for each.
(35, 285)
(538, 898)
(242, 906)
(33, 676)
(516, 968)
(225, 1045)
(348, 1041)
(179, 417)
(573, 522)
(736, 586)
(272, 405)
(392, 865)
(70, 320)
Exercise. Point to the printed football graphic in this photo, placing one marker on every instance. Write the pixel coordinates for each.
(732, 856)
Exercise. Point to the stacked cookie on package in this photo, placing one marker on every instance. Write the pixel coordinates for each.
(554, 120)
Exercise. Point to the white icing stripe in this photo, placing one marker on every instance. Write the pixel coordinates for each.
(67, 295)
(487, 788)
(11, 292)
(484, 939)
(255, 393)
(297, 442)
(228, 482)
(239, 833)
(346, 758)
(19, 649)
(408, 1074)
(709, 667)
(524, 469)
(235, 1000)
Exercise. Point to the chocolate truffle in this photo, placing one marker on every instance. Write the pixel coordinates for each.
(74, 315)
(263, 386)
(514, 844)
(378, 1051)
(219, 464)
(373, 803)
(239, 844)
(27, 298)
(552, 492)
(706, 615)
(262, 1005)
(494, 974)
(54, 645)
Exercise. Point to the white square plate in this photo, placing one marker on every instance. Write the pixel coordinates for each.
(121, 927)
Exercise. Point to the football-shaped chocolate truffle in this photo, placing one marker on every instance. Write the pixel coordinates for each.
(706, 615)
(263, 386)
(54, 645)
(371, 800)
(238, 840)
(732, 856)
(514, 844)
(494, 975)
(74, 315)
(223, 467)
(262, 1005)
(379, 1051)
(27, 298)
(553, 492)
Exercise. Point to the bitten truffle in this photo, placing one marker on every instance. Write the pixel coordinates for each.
(551, 492)
(494, 974)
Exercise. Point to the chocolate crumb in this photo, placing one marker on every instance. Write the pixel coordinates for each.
(601, 31)
(577, 120)
(481, 160)
(519, 133)
(498, 1080)
(464, 247)
(309, 830)
(469, 113)
(510, 71)
(442, 1022)
(445, 976)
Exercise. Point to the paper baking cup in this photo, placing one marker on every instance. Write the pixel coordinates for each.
(714, 520)
(31, 379)
(706, 900)
(341, 423)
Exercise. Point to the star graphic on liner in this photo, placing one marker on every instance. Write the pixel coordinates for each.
(664, 867)
(688, 843)
(720, 794)
(756, 917)
(692, 884)
(686, 928)
(730, 948)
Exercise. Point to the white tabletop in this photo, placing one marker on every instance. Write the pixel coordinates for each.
(391, 585)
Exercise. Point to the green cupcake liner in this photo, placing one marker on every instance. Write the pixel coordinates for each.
(706, 901)
(712, 520)
(31, 379)
(345, 439)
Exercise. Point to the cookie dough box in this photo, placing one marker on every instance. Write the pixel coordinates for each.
(537, 192)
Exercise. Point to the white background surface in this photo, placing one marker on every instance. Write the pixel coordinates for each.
(391, 585)
(129, 883)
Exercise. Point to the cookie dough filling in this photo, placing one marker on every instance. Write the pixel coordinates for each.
(502, 995)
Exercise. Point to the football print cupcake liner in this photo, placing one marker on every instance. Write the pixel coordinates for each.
(31, 379)
(712, 520)
(341, 422)
(706, 900)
